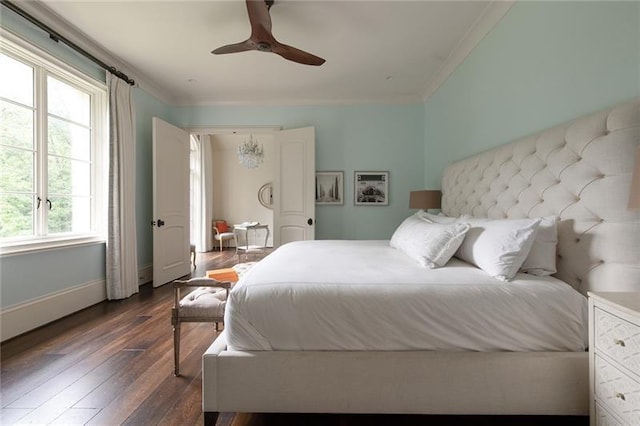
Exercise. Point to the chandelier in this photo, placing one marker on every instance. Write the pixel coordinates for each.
(250, 154)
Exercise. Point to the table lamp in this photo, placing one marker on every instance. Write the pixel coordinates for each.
(425, 199)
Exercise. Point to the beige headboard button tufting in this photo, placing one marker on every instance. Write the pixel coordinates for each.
(579, 171)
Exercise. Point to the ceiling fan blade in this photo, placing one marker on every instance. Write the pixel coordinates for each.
(259, 18)
(263, 40)
(234, 48)
(296, 55)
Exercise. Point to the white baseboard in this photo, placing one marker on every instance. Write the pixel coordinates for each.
(37, 312)
(145, 274)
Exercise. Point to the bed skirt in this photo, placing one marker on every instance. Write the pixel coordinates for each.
(408, 382)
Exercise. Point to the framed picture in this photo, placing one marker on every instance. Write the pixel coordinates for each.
(371, 188)
(330, 188)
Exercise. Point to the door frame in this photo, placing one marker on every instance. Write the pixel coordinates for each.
(231, 130)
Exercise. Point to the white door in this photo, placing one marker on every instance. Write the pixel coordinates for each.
(294, 186)
(170, 202)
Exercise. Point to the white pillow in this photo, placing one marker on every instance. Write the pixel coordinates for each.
(440, 218)
(430, 244)
(541, 260)
(498, 247)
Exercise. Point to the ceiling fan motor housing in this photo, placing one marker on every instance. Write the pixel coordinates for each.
(263, 46)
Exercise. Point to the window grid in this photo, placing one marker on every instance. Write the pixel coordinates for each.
(84, 199)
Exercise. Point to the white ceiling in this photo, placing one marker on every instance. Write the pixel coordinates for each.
(375, 51)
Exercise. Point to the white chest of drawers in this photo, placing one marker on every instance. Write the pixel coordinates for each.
(614, 358)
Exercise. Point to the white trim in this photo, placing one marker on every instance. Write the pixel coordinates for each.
(489, 18)
(231, 130)
(145, 274)
(34, 313)
(30, 246)
(381, 100)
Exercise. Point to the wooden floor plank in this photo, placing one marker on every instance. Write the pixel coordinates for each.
(153, 409)
(104, 336)
(75, 416)
(73, 366)
(9, 416)
(103, 395)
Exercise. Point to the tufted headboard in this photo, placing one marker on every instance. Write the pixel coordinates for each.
(579, 171)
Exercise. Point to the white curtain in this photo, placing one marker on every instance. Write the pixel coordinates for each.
(206, 237)
(195, 192)
(122, 258)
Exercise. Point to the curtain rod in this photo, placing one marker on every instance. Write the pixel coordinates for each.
(55, 36)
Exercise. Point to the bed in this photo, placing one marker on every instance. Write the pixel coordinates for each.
(578, 172)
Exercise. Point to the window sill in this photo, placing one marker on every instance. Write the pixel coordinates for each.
(32, 246)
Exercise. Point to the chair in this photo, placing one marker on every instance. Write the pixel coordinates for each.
(222, 232)
(204, 304)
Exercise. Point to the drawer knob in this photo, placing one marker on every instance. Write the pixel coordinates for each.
(619, 342)
(621, 396)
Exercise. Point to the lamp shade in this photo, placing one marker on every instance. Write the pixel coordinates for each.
(634, 196)
(427, 199)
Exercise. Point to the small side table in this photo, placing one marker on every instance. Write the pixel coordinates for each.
(241, 235)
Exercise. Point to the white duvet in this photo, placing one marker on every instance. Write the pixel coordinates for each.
(365, 295)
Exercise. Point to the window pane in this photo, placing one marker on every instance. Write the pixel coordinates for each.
(16, 215)
(68, 102)
(16, 80)
(69, 140)
(69, 214)
(69, 177)
(16, 170)
(16, 125)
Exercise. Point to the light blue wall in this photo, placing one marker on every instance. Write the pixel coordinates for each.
(545, 63)
(348, 138)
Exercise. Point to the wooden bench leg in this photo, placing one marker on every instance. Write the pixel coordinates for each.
(176, 348)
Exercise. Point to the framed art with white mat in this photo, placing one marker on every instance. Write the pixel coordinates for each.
(371, 188)
(329, 188)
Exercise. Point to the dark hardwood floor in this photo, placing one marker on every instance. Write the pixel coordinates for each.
(111, 364)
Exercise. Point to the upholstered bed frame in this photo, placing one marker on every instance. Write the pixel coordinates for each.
(579, 171)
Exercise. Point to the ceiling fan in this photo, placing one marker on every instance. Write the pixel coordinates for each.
(263, 40)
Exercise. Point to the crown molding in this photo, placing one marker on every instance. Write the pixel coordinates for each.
(41, 12)
(284, 102)
(489, 18)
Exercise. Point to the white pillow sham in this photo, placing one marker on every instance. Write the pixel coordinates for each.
(498, 247)
(430, 244)
(541, 260)
(436, 218)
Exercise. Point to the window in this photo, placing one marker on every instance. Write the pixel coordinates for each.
(52, 141)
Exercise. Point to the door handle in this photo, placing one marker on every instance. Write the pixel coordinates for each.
(310, 221)
(160, 223)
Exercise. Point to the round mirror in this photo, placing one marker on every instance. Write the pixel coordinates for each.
(265, 195)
